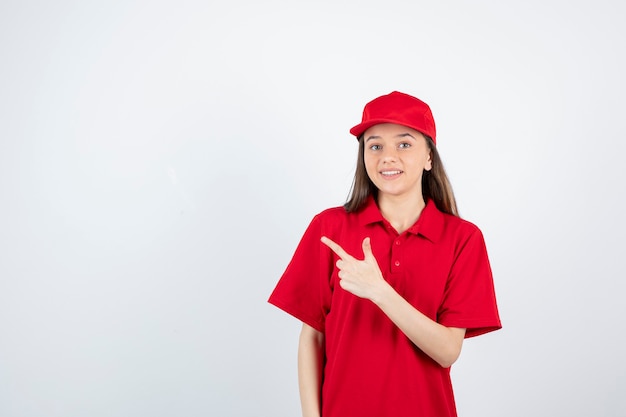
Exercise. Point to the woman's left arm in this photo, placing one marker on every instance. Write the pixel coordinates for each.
(364, 279)
(441, 343)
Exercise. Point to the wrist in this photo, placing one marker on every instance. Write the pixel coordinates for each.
(383, 294)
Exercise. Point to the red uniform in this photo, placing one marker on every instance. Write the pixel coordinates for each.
(439, 265)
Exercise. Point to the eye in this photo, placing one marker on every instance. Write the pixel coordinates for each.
(404, 145)
(375, 147)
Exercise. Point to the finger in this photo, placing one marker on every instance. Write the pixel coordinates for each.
(367, 248)
(335, 248)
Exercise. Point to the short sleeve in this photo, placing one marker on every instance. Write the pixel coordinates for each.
(469, 298)
(304, 289)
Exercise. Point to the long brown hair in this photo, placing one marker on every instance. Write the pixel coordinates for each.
(435, 183)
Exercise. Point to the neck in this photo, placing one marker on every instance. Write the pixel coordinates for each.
(401, 211)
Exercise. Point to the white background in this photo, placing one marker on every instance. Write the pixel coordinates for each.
(160, 160)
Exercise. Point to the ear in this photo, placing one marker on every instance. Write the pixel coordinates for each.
(429, 162)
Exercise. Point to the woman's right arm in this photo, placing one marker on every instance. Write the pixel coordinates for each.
(310, 367)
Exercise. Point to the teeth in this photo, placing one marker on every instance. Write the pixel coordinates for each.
(391, 172)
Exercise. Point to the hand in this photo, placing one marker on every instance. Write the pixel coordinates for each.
(361, 278)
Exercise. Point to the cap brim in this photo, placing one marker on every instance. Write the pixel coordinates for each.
(359, 129)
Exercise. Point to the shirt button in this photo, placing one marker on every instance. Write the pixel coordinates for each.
(397, 243)
(397, 263)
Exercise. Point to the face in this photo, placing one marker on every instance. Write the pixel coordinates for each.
(395, 158)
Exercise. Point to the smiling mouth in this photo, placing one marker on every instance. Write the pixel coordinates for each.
(391, 173)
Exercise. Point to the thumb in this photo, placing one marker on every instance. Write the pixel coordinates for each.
(367, 248)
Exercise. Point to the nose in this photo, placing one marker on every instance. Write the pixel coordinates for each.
(390, 153)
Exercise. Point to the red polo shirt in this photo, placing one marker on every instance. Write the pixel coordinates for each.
(371, 368)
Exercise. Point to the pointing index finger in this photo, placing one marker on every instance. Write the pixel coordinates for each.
(336, 248)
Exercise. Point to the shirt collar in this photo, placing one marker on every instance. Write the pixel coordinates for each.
(370, 212)
(429, 224)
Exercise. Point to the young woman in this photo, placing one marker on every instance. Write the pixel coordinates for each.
(389, 285)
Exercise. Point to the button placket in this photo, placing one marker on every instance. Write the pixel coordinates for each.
(396, 253)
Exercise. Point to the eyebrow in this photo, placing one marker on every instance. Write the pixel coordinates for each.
(401, 135)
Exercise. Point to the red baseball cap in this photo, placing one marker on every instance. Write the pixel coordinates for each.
(398, 108)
